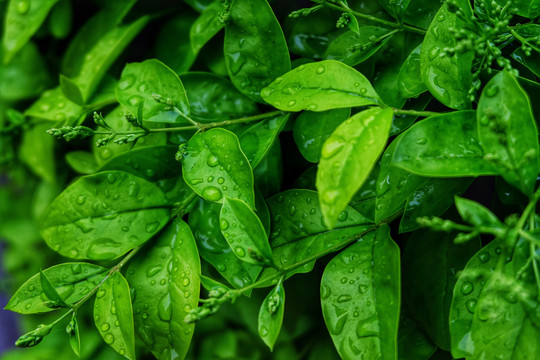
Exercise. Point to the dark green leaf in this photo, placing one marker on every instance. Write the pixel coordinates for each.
(413, 343)
(113, 315)
(173, 45)
(320, 86)
(71, 90)
(206, 26)
(50, 291)
(103, 216)
(72, 282)
(347, 158)
(252, 23)
(82, 162)
(72, 329)
(37, 152)
(477, 214)
(410, 80)
(507, 131)
(443, 145)
(360, 297)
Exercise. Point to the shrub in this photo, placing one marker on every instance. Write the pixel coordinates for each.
(208, 153)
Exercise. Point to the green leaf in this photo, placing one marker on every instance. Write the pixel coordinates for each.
(410, 81)
(71, 90)
(347, 158)
(24, 77)
(526, 8)
(82, 162)
(72, 282)
(477, 214)
(352, 48)
(269, 173)
(140, 81)
(22, 20)
(320, 86)
(271, 315)
(443, 145)
(50, 291)
(179, 57)
(206, 26)
(98, 60)
(214, 98)
(258, 138)
(204, 220)
(103, 216)
(311, 129)
(215, 167)
(166, 280)
(54, 106)
(113, 315)
(431, 266)
(297, 214)
(493, 310)
(244, 232)
(360, 297)
(60, 19)
(413, 343)
(448, 78)
(432, 198)
(37, 152)
(507, 131)
(72, 329)
(250, 24)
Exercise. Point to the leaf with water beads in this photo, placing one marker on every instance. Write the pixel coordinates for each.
(244, 232)
(113, 315)
(165, 287)
(360, 297)
(271, 315)
(103, 216)
(320, 86)
(72, 281)
(215, 167)
(347, 158)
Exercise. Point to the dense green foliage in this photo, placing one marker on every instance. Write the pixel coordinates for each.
(246, 179)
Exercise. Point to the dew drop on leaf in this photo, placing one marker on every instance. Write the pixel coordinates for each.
(212, 161)
(23, 6)
(467, 288)
(212, 193)
(105, 326)
(109, 338)
(471, 305)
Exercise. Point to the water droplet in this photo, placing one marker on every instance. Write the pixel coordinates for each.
(266, 92)
(362, 289)
(126, 82)
(105, 327)
(134, 100)
(435, 32)
(210, 179)
(23, 6)
(471, 305)
(109, 338)
(239, 251)
(421, 141)
(301, 67)
(491, 90)
(196, 181)
(325, 292)
(292, 209)
(100, 293)
(165, 308)
(103, 249)
(292, 88)
(212, 193)
(332, 146)
(76, 268)
(263, 331)
(212, 161)
(483, 257)
(312, 107)
(220, 180)
(223, 224)
(152, 227)
(111, 178)
(320, 69)
(440, 17)
(153, 270)
(291, 103)
(484, 120)
(143, 87)
(81, 199)
(278, 80)
(343, 280)
(343, 216)
(467, 288)
(363, 91)
(31, 287)
(434, 52)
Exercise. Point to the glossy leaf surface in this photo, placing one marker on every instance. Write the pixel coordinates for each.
(410, 81)
(113, 315)
(252, 23)
(507, 131)
(140, 81)
(347, 158)
(320, 86)
(244, 232)
(166, 283)
(477, 214)
(116, 221)
(206, 26)
(360, 297)
(443, 145)
(215, 167)
(72, 281)
(448, 78)
(271, 315)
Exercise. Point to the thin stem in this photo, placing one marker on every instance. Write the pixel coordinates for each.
(528, 210)
(345, 8)
(190, 120)
(523, 40)
(532, 255)
(113, 270)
